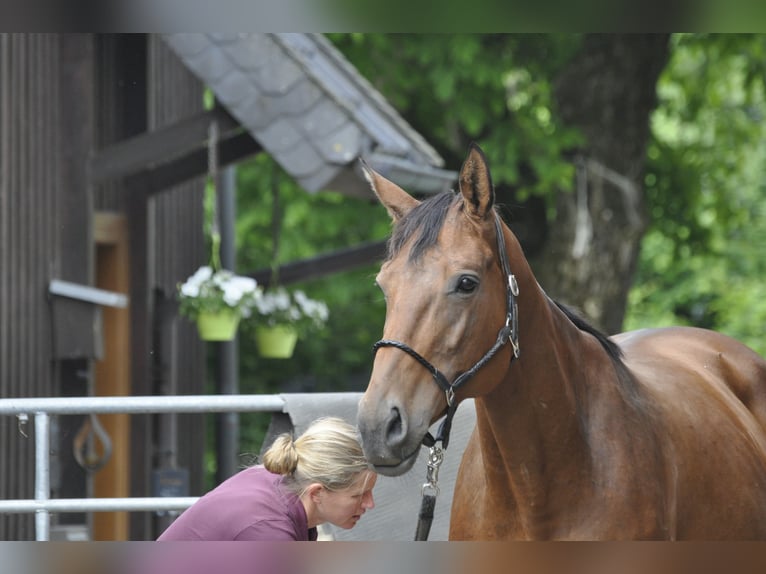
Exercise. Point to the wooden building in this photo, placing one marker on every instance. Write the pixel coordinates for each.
(103, 155)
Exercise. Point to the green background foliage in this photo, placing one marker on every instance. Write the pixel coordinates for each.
(702, 260)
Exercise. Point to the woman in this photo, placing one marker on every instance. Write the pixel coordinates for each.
(320, 477)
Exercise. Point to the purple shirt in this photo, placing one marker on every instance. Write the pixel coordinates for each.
(251, 505)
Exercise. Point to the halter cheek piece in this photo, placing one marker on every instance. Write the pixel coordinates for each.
(508, 333)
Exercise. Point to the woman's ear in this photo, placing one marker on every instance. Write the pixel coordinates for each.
(314, 490)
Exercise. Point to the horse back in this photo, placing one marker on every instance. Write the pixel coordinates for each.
(672, 359)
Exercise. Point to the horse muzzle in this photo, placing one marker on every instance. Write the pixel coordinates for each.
(390, 442)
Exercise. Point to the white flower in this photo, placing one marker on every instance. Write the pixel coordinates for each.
(207, 290)
(235, 288)
(189, 289)
(200, 276)
(280, 306)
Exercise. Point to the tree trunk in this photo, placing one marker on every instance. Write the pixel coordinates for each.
(608, 91)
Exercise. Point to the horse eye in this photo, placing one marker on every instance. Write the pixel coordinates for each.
(467, 284)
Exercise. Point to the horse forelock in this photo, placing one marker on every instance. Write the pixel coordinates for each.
(422, 223)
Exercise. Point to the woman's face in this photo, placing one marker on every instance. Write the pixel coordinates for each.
(344, 508)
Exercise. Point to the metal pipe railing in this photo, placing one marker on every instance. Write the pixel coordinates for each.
(42, 505)
(146, 405)
(135, 504)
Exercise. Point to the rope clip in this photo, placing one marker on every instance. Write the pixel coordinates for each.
(435, 459)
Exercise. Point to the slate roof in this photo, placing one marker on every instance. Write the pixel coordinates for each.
(311, 110)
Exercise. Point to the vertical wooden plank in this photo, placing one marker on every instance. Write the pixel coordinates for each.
(76, 97)
(141, 349)
(48, 190)
(16, 458)
(113, 373)
(75, 258)
(6, 428)
(130, 55)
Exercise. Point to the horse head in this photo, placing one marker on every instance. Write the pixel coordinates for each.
(446, 296)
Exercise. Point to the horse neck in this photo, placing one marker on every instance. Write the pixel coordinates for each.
(529, 427)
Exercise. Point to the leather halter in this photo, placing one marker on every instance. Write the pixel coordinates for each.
(508, 333)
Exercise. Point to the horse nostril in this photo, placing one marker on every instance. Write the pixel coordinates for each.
(394, 429)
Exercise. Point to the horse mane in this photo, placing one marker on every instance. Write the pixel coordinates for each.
(612, 349)
(626, 382)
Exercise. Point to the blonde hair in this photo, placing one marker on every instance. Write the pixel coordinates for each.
(328, 452)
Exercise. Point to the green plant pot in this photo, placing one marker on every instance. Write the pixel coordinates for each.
(221, 326)
(276, 342)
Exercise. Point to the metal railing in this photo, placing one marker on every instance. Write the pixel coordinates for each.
(42, 408)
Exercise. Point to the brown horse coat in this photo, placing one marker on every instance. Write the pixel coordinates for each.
(652, 434)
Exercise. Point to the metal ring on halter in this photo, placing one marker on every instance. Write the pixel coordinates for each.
(450, 394)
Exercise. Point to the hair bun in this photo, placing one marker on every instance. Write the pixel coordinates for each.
(282, 455)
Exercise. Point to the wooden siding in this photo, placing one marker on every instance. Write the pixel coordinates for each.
(29, 120)
(38, 195)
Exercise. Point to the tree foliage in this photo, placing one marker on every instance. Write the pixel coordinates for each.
(494, 89)
(702, 258)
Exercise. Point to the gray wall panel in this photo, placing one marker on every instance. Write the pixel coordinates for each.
(28, 248)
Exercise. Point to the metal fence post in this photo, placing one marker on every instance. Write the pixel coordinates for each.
(42, 475)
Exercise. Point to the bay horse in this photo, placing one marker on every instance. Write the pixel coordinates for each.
(654, 434)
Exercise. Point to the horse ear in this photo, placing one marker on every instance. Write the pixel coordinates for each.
(476, 183)
(396, 201)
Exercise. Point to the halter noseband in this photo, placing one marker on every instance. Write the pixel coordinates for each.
(508, 333)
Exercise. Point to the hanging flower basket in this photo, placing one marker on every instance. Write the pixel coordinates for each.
(216, 301)
(277, 341)
(289, 315)
(217, 325)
